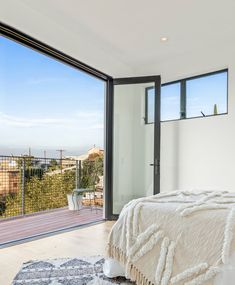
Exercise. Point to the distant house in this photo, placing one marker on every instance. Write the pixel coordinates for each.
(95, 152)
(9, 181)
(9, 177)
(70, 161)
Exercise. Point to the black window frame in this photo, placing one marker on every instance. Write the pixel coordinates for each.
(183, 97)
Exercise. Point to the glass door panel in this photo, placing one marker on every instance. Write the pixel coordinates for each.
(135, 171)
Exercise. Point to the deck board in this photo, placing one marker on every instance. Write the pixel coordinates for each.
(44, 222)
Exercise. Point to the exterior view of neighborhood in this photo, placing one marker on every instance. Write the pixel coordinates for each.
(52, 120)
(30, 184)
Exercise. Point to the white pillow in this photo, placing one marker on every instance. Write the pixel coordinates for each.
(113, 268)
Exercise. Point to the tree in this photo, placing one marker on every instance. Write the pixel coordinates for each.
(215, 109)
(91, 170)
(54, 165)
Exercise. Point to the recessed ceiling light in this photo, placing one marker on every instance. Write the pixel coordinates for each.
(164, 39)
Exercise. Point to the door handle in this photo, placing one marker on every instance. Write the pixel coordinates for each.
(156, 165)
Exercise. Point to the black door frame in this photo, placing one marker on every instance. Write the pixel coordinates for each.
(109, 138)
(28, 41)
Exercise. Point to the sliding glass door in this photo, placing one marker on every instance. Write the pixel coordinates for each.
(136, 143)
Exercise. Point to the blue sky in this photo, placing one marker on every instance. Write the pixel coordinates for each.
(204, 92)
(45, 104)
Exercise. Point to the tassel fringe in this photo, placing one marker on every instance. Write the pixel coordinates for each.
(133, 272)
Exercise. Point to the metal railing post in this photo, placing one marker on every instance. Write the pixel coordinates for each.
(76, 177)
(80, 173)
(23, 188)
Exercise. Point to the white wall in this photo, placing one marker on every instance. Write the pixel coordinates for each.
(199, 153)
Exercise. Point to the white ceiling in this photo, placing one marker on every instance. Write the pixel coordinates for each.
(122, 38)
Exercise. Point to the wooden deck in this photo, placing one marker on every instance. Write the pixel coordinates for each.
(45, 222)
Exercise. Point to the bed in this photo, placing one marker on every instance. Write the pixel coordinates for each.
(181, 237)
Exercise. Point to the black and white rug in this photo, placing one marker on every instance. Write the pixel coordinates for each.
(66, 271)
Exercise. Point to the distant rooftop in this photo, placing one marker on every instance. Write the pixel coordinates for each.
(94, 151)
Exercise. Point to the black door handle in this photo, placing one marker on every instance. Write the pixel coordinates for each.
(156, 165)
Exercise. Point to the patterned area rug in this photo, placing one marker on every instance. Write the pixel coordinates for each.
(66, 271)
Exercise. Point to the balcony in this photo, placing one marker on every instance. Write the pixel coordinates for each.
(33, 195)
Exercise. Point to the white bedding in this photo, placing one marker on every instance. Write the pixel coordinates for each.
(175, 238)
(113, 268)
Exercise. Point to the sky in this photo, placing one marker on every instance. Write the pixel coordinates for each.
(47, 105)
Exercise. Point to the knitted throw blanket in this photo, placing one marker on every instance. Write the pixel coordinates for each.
(175, 238)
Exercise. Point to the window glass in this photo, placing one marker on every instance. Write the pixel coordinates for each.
(150, 105)
(170, 102)
(206, 95)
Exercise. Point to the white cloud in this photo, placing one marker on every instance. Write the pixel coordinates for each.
(27, 122)
(81, 120)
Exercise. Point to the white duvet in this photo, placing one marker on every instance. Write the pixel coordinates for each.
(175, 238)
